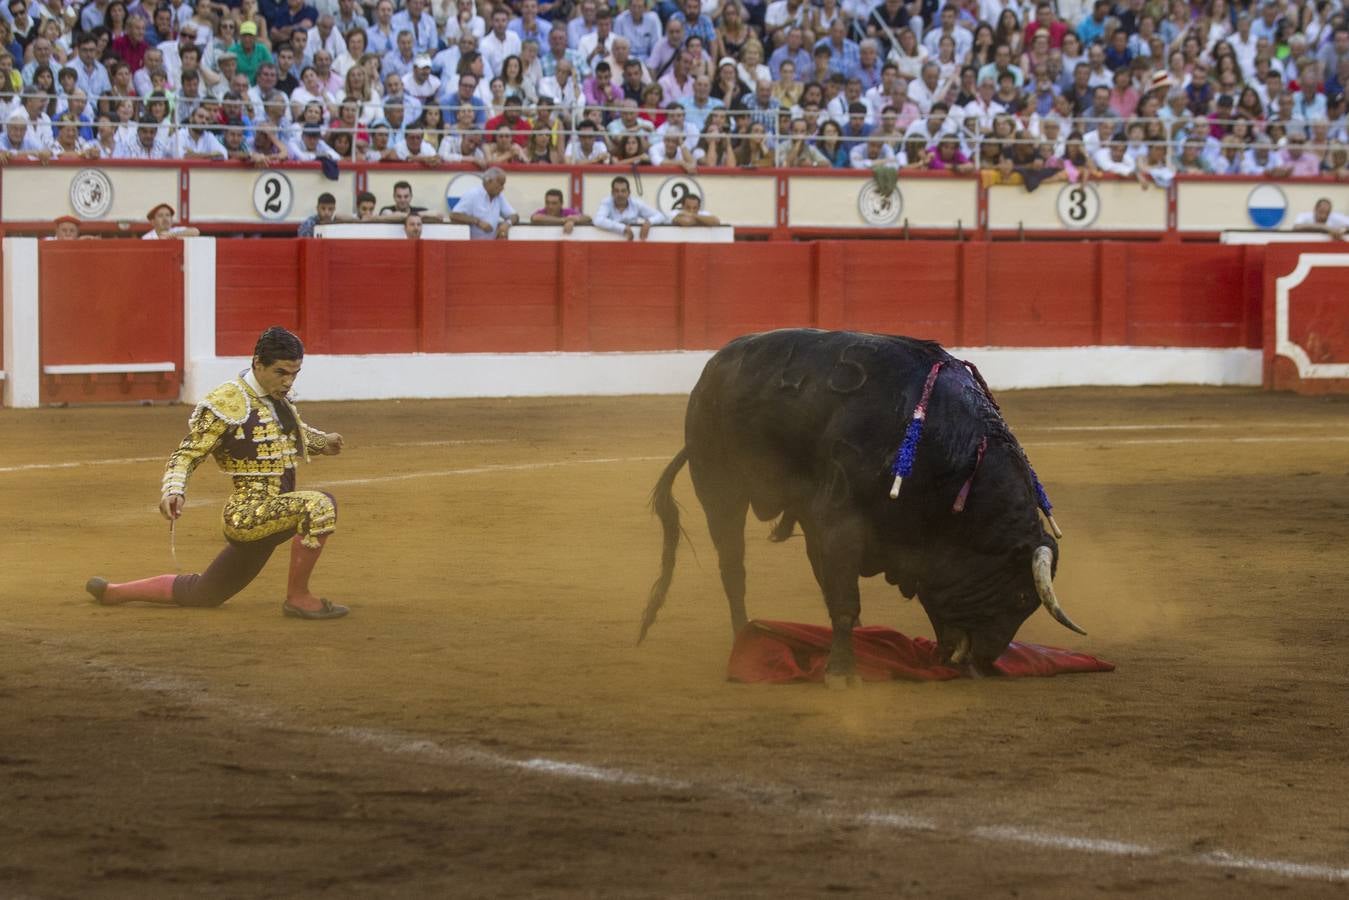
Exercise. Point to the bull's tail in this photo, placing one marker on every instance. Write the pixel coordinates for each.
(664, 506)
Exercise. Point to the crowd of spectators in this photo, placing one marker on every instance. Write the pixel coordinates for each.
(1021, 90)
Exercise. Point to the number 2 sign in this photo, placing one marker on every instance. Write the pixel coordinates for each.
(272, 196)
(1078, 205)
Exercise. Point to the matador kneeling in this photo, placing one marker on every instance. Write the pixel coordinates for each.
(255, 434)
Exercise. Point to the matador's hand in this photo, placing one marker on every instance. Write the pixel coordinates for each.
(334, 445)
(171, 507)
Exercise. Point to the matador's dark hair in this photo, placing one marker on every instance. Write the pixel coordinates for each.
(277, 343)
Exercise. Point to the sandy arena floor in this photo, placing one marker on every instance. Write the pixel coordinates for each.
(482, 725)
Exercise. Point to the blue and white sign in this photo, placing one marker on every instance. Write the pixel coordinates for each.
(1266, 205)
(458, 186)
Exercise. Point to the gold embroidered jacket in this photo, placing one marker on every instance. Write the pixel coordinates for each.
(234, 425)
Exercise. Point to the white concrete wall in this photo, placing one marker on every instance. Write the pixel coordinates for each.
(22, 373)
(414, 375)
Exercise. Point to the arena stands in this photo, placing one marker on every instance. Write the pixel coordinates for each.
(1023, 92)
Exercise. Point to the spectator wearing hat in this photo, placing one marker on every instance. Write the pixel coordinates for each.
(66, 228)
(420, 83)
(162, 227)
(19, 140)
(249, 52)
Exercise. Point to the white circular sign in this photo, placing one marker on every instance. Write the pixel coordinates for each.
(273, 196)
(670, 197)
(1078, 205)
(876, 208)
(91, 194)
(459, 186)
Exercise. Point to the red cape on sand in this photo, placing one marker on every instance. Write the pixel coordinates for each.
(785, 652)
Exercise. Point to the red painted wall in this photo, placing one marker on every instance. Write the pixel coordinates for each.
(391, 296)
(1318, 318)
(107, 303)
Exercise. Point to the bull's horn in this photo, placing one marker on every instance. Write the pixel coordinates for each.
(1040, 565)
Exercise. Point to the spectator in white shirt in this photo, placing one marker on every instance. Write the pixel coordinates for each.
(872, 154)
(162, 227)
(499, 43)
(587, 148)
(310, 145)
(1322, 219)
(1113, 159)
(196, 141)
(484, 209)
(414, 147)
(619, 212)
(420, 83)
(677, 121)
(146, 144)
(18, 139)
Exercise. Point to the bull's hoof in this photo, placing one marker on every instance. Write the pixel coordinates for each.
(839, 681)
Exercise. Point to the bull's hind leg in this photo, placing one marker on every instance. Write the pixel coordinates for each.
(834, 556)
(725, 502)
(726, 522)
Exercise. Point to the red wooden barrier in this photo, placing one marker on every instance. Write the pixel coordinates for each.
(110, 304)
(1318, 319)
(257, 285)
(391, 296)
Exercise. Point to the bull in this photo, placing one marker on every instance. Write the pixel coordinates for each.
(809, 427)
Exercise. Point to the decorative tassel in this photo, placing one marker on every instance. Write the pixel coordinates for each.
(913, 434)
(959, 505)
(1043, 500)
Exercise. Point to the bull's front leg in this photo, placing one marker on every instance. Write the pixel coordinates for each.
(835, 558)
(845, 607)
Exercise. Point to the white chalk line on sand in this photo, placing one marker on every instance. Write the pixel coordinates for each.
(1128, 442)
(397, 743)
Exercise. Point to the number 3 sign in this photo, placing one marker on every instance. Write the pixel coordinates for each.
(272, 196)
(1078, 205)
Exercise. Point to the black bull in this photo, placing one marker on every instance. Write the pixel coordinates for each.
(805, 425)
